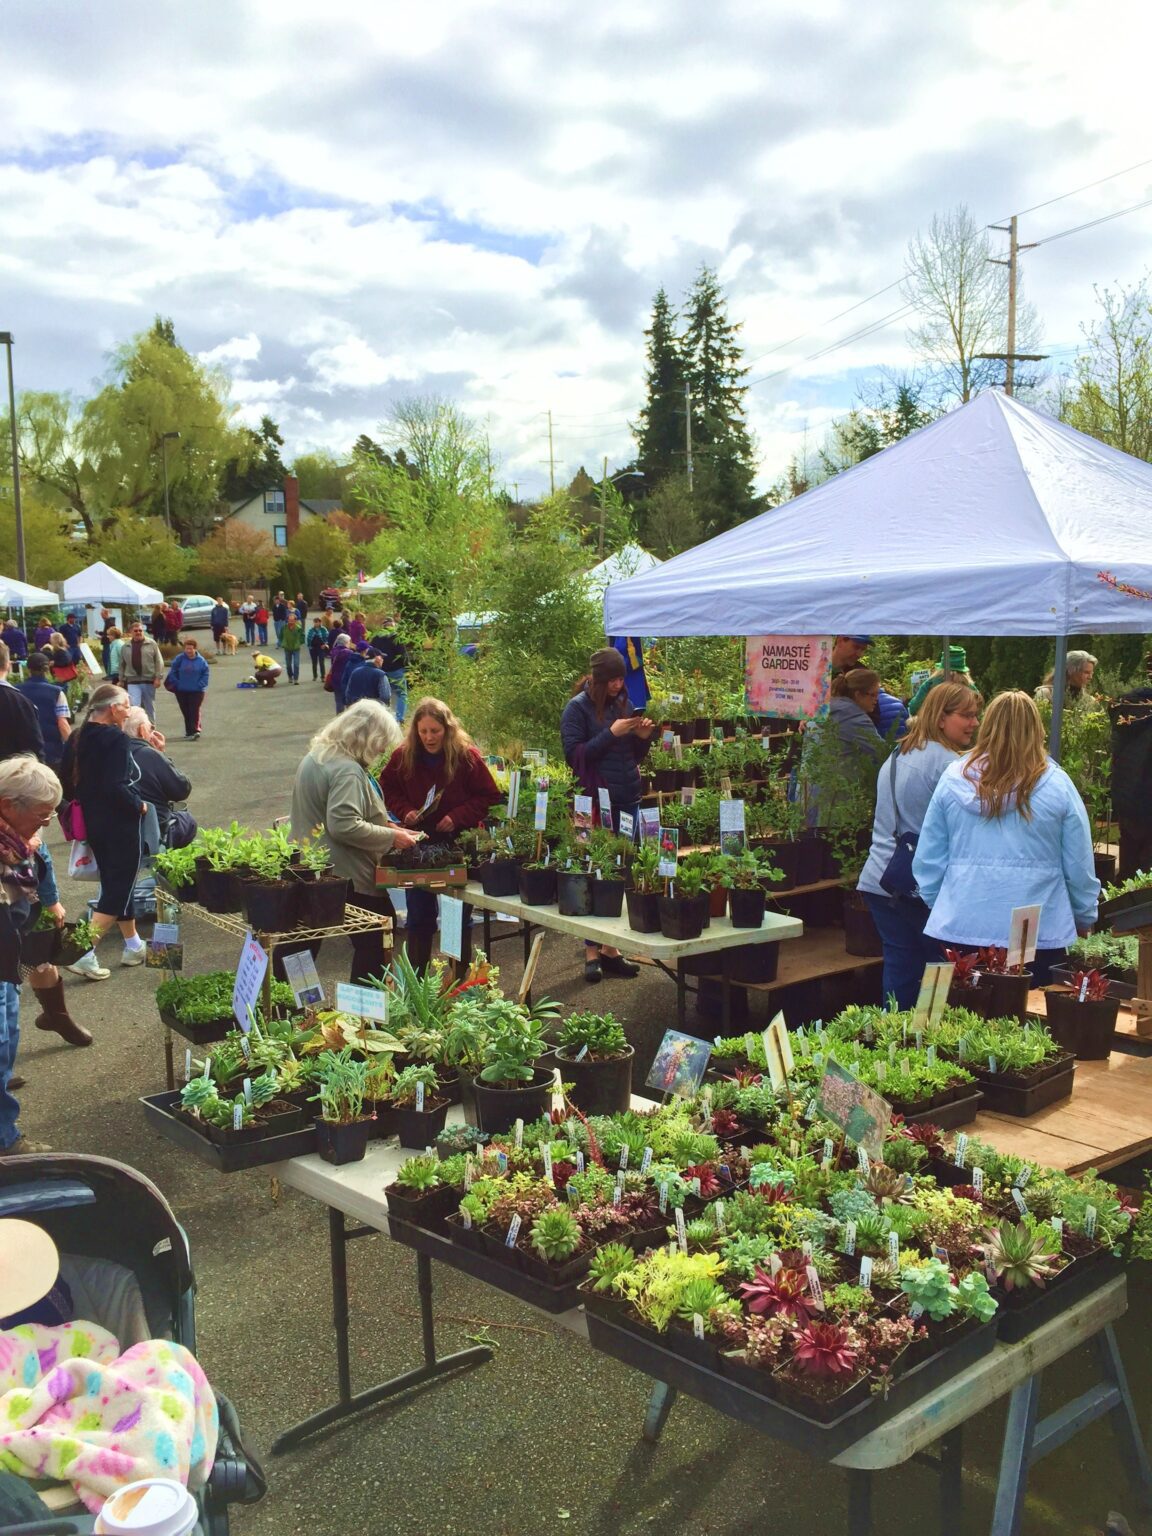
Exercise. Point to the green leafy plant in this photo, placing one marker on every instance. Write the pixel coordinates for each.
(602, 1033)
(608, 1263)
(928, 1285)
(343, 1081)
(1021, 1255)
(403, 1092)
(420, 1173)
(176, 865)
(556, 1234)
(645, 868)
(974, 1297)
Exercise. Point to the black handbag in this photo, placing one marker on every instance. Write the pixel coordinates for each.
(898, 879)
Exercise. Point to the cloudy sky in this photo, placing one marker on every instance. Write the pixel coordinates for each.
(356, 201)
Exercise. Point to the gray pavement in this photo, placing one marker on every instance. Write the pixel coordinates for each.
(545, 1438)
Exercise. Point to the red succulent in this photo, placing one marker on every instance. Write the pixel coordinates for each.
(1096, 990)
(823, 1349)
(725, 1123)
(709, 1179)
(784, 1294)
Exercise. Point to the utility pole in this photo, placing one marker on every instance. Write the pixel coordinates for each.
(1011, 357)
(21, 564)
(688, 432)
(551, 459)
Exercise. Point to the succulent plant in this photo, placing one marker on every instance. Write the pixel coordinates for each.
(1020, 1255)
(928, 1285)
(556, 1234)
(607, 1263)
(974, 1297)
(825, 1350)
(784, 1294)
(884, 1184)
(419, 1173)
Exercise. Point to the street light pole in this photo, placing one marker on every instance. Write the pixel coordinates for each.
(21, 563)
(165, 438)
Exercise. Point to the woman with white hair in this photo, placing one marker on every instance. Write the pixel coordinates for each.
(1079, 667)
(29, 794)
(336, 799)
(161, 782)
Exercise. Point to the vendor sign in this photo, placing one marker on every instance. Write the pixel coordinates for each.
(787, 677)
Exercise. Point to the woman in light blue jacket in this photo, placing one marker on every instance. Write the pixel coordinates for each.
(1007, 828)
(936, 737)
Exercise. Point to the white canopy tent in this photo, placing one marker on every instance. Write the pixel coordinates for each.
(101, 584)
(381, 583)
(19, 594)
(995, 520)
(630, 560)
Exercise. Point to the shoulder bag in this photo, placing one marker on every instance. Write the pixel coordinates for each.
(898, 879)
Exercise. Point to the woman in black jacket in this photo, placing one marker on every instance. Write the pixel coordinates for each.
(604, 743)
(102, 772)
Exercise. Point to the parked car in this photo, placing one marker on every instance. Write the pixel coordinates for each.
(196, 608)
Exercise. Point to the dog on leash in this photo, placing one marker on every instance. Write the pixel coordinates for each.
(229, 642)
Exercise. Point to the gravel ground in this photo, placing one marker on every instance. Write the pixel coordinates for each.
(543, 1439)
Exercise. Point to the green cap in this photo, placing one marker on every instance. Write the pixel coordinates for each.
(956, 660)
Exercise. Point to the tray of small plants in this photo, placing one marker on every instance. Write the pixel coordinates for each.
(200, 1007)
(425, 864)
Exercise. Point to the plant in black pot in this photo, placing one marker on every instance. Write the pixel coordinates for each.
(1006, 986)
(511, 1086)
(455, 1140)
(684, 909)
(177, 868)
(606, 855)
(40, 941)
(537, 873)
(420, 1113)
(322, 898)
(1082, 1017)
(343, 1128)
(746, 876)
(573, 882)
(643, 895)
(378, 1092)
(268, 891)
(596, 1059)
(220, 854)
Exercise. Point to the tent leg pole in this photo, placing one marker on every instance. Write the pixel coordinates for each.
(946, 657)
(1059, 676)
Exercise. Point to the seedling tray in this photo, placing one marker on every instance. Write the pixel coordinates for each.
(1125, 913)
(420, 879)
(826, 1440)
(1011, 1099)
(949, 1117)
(199, 1034)
(1083, 1276)
(255, 1153)
(502, 1276)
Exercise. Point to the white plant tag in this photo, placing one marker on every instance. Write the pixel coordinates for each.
(894, 1249)
(775, 1263)
(681, 1232)
(582, 1052)
(915, 1311)
(815, 1287)
(247, 1090)
(828, 1149)
(718, 1213)
(513, 1232)
(864, 1162)
(466, 1218)
(237, 1116)
(420, 1098)
(188, 1065)
(623, 1157)
(697, 1326)
(1057, 1223)
(546, 1151)
(579, 1161)
(806, 1248)
(519, 1133)
(617, 1194)
(849, 1238)
(646, 1160)
(866, 1272)
(246, 1047)
(469, 1171)
(1089, 1221)
(1021, 1203)
(961, 1149)
(978, 1180)
(1021, 1179)
(663, 1198)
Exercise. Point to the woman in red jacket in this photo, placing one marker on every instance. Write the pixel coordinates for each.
(436, 783)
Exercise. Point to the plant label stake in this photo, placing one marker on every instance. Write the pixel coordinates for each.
(1022, 931)
(663, 1198)
(557, 1090)
(646, 1160)
(681, 1232)
(466, 1218)
(941, 1253)
(1089, 1221)
(237, 1116)
(246, 1047)
(247, 1090)
(1057, 1225)
(961, 1149)
(582, 1052)
(698, 1326)
(188, 1065)
(617, 1193)
(1083, 990)
(513, 1231)
(849, 1238)
(866, 1272)
(419, 1098)
(718, 1212)
(775, 1264)
(806, 1248)
(894, 1249)
(623, 1157)
(518, 1134)
(529, 975)
(863, 1161)
(469, 1171)
(502, 1161)
(1021, 1203)
(814, 1286)
(579, 1161)
(978, 1180)
(1023, 1176)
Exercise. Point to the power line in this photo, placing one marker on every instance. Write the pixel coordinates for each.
(1092, 223)
(1087, 187)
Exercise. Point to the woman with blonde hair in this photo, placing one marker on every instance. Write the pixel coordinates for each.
(336, 800)
(439, 784)
(1006, 828)
(943, 729)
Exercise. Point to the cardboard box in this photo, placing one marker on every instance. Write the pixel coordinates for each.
(421, 879)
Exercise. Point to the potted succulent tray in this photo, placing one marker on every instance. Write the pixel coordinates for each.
(1037, 1284)
(272, 1141)
(424, 865)
(1024, 1092)
(959, 1111)
(754, 1396)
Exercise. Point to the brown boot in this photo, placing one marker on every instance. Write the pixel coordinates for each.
(57, 1018)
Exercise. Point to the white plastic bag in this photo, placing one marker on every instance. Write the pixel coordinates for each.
(82, 862)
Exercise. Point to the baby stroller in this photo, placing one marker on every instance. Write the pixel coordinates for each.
(126, 1260)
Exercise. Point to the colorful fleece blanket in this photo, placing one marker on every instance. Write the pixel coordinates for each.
(76, 1410)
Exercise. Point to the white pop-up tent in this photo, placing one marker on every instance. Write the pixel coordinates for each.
(19, 594)
(101, 584)
(629, 560)
(995, 520)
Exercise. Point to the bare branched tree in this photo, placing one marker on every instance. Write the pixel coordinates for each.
(1109, 395)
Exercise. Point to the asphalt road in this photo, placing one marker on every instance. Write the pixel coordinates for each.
(545, 1439)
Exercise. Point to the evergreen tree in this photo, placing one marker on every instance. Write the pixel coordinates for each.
(660, 432)
(258, 467)
(721, 443)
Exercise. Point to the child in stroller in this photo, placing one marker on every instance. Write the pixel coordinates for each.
(125, 1267)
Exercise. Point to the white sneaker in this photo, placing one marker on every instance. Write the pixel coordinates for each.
(134, 956)
(90, 968)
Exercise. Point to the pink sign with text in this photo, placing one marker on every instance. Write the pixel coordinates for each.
(787, 676)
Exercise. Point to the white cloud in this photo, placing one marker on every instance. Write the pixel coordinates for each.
(481, 201)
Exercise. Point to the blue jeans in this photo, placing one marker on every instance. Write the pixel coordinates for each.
(279, 624)
(292, 665)
(399, 693)
(9, 1043)
(263, 628)
(906, 948)
(249, 628)
(144, 694)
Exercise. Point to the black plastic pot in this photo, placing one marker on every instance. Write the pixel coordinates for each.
(786, 857)
(323, 902)
(664, 780)
(1007, 996)
(538, 887)
(607, 898)
(217, 890)
(419, 1128)
(500, 877)
(1105, 867)
(270, 906)
(343, 1143)
(40, 946)
(746, 908)
(468, 1097)
(574, 893)
(751, 963)
(1084, 1028)
(598, 1087)
(682, 917)
(809, 858)
(498, 1109)
(861, 936)
(643, 911)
